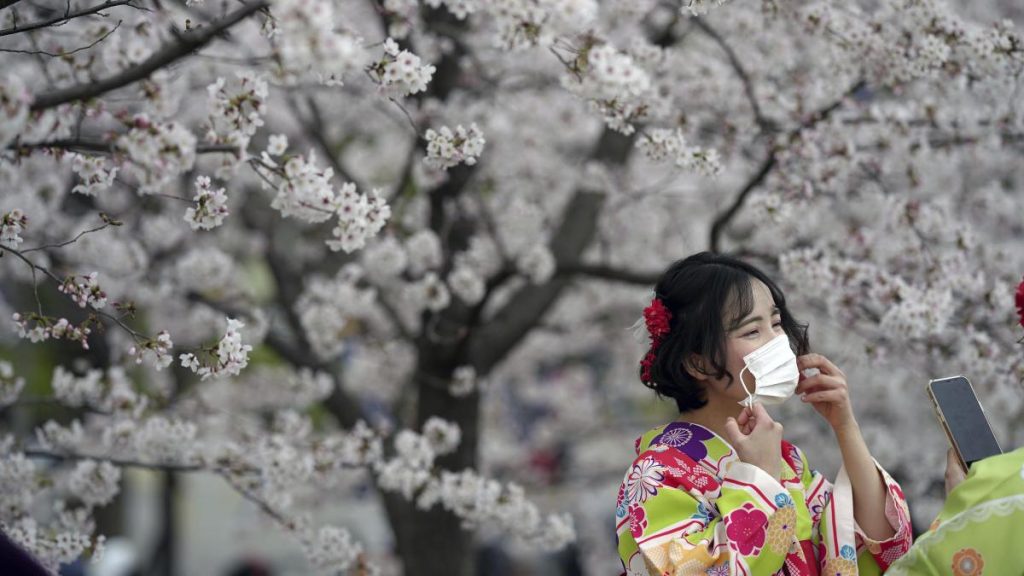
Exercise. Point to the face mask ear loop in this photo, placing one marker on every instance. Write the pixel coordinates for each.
(750, 396)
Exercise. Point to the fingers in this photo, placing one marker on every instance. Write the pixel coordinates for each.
(762, 420)
(732, 431)
(744, 417)
(820, 362)
(953, 466)
(954, 472)
(824, 396)
(819, 383)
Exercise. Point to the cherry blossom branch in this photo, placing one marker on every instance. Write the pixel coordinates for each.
(17, 253)
(127, 462)
(163, 467)
(188, 42)
(108, 222)
(109, 147)
(60, 19)
(63, 54)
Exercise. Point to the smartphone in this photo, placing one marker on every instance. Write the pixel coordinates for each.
(963, 419)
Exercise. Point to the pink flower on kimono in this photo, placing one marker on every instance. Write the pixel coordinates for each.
(637, 521)
(745, 527)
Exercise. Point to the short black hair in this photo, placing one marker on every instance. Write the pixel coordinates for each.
(697, 290)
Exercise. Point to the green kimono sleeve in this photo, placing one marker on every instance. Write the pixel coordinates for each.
(979, 528)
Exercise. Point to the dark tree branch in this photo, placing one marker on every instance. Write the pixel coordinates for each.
(188, 42)
(63, 54)
(59, 19)
(494, 340)
(765, 124)
(108, 147)
(724, 218)
(405, 179)
(314, 127)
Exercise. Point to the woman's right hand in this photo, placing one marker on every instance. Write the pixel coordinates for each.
(757, 439)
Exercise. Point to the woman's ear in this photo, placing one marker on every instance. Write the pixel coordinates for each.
(695, 367)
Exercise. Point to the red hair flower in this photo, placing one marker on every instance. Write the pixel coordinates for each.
(1020, 302)
(657, 317)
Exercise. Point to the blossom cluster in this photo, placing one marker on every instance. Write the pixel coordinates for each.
(236, 111)
(308, 41)
(665, 144)
(305, 192)
(84, 291)
(157, 350)
(228, 358)
(524, 23)
(210, 206)
(613, 84)
(400, 72)
(45, 327)
(157, 152)
(447, 147)
(12, 224)
(94, 173)
(907, 40)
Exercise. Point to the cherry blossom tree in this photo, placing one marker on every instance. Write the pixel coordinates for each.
(303, 245)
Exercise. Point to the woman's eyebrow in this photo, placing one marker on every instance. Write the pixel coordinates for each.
(736, 326)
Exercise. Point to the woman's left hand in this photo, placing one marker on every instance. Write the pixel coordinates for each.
(826, 391)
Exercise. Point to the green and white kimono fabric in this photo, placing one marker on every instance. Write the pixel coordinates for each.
(980, 530)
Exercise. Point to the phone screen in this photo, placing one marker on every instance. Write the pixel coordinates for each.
(965, 419)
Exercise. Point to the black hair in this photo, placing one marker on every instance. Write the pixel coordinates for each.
(697, 290)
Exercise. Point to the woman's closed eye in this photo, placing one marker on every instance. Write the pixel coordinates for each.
(755, 331)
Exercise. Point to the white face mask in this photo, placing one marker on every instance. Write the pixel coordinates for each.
(775, 372)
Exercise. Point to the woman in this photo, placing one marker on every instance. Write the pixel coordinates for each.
(718, 491)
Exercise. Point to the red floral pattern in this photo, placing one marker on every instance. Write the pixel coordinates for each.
(637, 521)
(746, 528)
(1019, 301)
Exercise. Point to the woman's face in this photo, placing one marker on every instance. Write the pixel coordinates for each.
(743, 337)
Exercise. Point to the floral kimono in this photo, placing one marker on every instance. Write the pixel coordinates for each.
(979, 530)
(688, 505)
